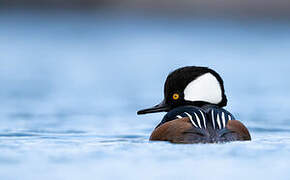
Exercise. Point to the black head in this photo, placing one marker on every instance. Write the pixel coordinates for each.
(192, 85)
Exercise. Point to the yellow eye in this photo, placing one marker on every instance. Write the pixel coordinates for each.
(175, 96)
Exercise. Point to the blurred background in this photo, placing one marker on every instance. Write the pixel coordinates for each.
(279, 8)
(73, 73)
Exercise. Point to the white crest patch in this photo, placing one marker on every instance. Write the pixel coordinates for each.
(205, 88)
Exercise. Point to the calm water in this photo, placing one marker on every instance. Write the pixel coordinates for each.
(71, 85)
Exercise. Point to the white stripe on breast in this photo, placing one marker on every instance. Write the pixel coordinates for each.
(198, 120)
(179, 117)
(218, 121)
(190, 118)
(223, 119)
(212, 117)
(203, 118)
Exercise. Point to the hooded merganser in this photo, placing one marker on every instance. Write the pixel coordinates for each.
(194, 98)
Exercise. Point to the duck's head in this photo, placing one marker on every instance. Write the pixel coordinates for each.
(192, 85)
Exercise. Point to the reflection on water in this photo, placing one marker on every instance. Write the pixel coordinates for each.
(71, 85)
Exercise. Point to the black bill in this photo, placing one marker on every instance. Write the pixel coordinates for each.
(162, 107)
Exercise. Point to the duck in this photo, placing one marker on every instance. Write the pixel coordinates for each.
(194, 102)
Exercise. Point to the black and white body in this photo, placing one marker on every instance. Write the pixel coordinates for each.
(194, 98)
